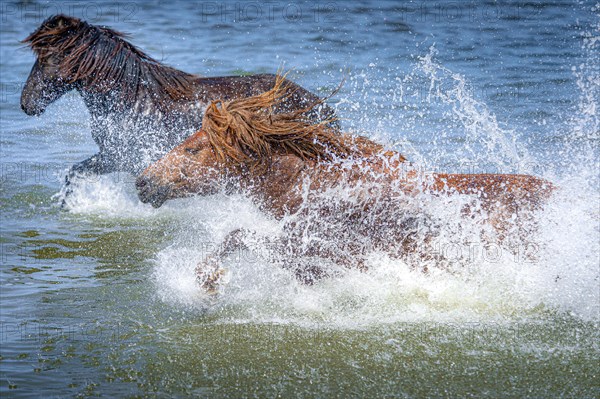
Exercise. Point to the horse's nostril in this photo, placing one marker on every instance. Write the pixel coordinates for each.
(31, 111)
(149, 191)
(141, 182)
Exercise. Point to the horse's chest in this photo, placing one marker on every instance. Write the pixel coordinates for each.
(134, 144)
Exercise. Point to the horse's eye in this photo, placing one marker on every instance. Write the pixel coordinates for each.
(192, 150)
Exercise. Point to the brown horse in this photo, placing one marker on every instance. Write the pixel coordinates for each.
(287, 165)
(139, 108)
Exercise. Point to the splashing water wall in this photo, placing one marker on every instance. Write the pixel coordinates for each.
(101, 297)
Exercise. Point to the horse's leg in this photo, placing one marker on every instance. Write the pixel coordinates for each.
(309, 263)
(94, 165)
(209, 272)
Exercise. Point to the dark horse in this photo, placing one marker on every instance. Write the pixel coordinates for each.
(140, 108)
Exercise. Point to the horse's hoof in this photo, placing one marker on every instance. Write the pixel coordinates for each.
(211, 287)
(210, 276)
(211, 282)
(71, 179)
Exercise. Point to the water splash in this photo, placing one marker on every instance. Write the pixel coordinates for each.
(480, 279)
(586, 122)
(110, 196)
(482, 130)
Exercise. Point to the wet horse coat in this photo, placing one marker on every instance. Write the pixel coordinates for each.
(286, 164)
(139, 108)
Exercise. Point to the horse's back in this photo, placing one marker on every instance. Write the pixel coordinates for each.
(491, 186)
(234, 87)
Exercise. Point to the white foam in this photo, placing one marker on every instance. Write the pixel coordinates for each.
(479, 283)
(111, 196)
(563, 277)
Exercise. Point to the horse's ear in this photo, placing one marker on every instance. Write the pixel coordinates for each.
(51, 27)
(62, 21)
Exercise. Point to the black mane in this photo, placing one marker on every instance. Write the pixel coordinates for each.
(104, 61)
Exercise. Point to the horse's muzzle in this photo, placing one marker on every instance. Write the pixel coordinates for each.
(32, 109)
(150, 192)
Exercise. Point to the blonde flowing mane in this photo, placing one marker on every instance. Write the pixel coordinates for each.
(247, 131)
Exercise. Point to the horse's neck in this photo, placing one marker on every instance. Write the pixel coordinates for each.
(141, 112)
(278, 188)
(104, 105)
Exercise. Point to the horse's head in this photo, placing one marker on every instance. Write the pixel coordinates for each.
(99, 62)
(44, 86)
(239, 136)
(190, 168)
(47, 80)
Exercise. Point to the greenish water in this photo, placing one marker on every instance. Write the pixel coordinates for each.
(200, 356)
